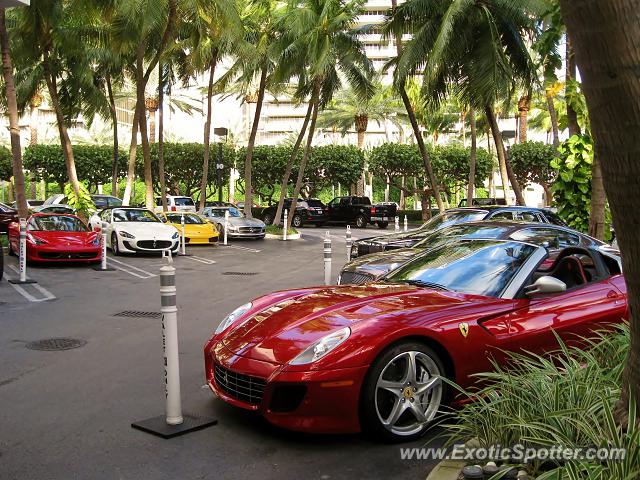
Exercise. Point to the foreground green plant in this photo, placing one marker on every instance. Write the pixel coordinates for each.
(277, 230)
(82, 203)
(565, 399)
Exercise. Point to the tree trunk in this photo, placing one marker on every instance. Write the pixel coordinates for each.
(161, 172)
(425, 206)
(502, 160)
(287, 172)
(65, 141)
(523, 112)
(14, 128)
(472, 157)
(305, 156)
(207, 134)
(570, 69)
(248, 187)
(33, 125)
(554, 119)
(133, 151)
(416, 129)
(598, 200)
(386, 190)
(548, 195)
(116, 146)
(605, 38)
(152, 126)
(146, 151)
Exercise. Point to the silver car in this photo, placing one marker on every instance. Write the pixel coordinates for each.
(239, 225)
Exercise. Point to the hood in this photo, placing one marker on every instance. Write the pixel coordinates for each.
(245, 222)
(400, 239)
(379, 263)
(195, 229)
(281, 331)
(64, 238)
(146, 229)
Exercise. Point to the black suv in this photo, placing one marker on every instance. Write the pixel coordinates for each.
(311, 211)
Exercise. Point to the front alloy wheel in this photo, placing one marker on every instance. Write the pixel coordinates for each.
(114, 244)
(361, 222)
(297, 221)
(403, 392)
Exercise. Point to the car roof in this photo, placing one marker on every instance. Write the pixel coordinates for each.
(493, 208)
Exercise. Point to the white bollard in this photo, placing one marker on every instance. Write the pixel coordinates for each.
(397, 224)
(170, 344)
(349, 242)
(103, 263)
(226, 225)
(23, 251)
(327, 259)
(406, 224)
(183, 240)
(286, 221)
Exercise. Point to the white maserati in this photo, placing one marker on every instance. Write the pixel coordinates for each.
(131, 230)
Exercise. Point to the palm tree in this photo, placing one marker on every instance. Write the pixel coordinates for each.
(474, 50)
(320, 38)
(14, 128)
(613, 108)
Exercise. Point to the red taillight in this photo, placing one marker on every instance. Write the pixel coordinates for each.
(174, 209)
(373, 210)
(97, 228)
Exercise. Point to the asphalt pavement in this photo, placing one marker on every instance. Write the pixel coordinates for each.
(67, 414)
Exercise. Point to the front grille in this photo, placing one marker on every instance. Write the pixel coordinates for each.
(354, 278)
(67, 255)
(239, 386)
(154, 244)
(250, 229)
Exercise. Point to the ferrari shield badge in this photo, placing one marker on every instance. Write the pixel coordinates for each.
(464, 329)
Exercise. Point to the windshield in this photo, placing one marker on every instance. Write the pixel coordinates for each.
(464, 231)
(183, 201)
(189, 219)
(450, 218)
(134, 215)
(57, 223)
(219, 212)
(479, 267)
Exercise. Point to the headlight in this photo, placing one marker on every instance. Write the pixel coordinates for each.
(126, 235)
(175, 236)
(323, 346)
(354, 250)
(34, 240)
(233, 316)
(233, 228)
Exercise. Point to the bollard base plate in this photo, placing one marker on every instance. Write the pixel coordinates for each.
(108, 269)
(158, 426)
(17, 281)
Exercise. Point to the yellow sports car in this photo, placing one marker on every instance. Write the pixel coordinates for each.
(197, 230)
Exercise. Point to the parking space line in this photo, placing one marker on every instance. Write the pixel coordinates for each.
(125, 267)
(206, 261)
(22, 291)
(252, 250)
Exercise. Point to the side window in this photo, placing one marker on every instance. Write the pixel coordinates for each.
(557, 239)
(506, 215)
(105, 217)
(344, 202)
(528, 217)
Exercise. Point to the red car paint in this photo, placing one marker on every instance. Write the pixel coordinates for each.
(56, 246)
(380, 315)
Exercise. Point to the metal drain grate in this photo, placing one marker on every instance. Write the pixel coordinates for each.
(240, 273)
(138, 314)
(54, 344)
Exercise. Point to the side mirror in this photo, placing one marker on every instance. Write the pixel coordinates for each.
(545, 284)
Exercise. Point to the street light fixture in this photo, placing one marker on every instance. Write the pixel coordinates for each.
(220, 132)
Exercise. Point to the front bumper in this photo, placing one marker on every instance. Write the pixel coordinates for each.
(322, 401)
(44, 253)
(254, 234)
(130, 245)
(201, 239)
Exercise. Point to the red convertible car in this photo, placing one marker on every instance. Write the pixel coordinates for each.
(372, 357)
(56, 238)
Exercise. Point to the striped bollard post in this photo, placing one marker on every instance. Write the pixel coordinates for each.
(22, 258)
(103, 248)
(349, 242)
(226, 225)
(286, 222)
(169, 310)
(327, 259)
(183, 240)
(397, 223)
(406, 224)
(173, 422)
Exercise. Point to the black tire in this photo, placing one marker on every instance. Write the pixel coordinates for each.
(372, 397)
(1, 262)
(267, 219)
(11, 252)
(114, 244)
(296, 221)
(361, 222)
(220, 229)
(383, 225)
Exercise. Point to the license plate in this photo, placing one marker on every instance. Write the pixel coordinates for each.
(379, 219)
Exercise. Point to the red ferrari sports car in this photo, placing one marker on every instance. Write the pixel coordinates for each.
(372, 357)
(55, 238)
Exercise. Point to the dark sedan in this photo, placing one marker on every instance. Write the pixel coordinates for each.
(452, 217)
(7, 215)
(554, 237)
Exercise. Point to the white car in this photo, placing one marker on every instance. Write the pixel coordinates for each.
(176, 204)
(131, 230)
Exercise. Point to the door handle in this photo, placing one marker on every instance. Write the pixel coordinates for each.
(611, 294)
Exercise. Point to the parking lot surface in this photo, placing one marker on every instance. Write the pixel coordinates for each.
(67, 414)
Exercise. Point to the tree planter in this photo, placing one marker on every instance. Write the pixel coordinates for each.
(291, 236)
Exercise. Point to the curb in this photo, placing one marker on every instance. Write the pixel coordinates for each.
(446, 470)
(271, 236)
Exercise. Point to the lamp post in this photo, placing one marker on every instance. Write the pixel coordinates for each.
(220, 132)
